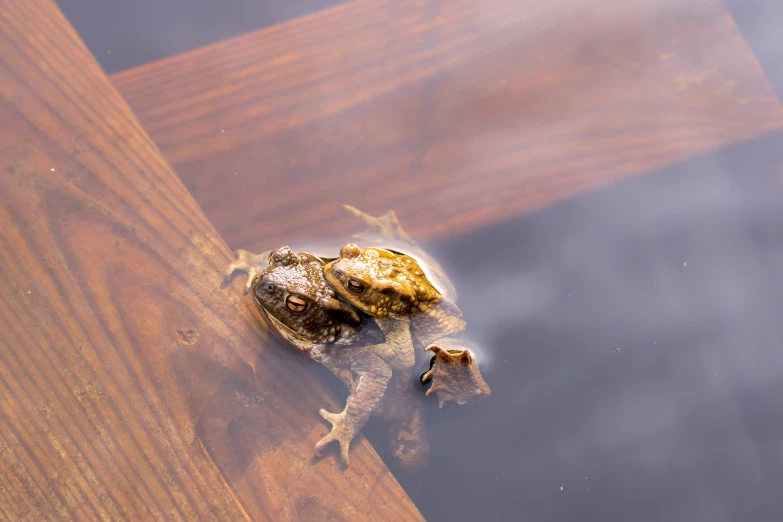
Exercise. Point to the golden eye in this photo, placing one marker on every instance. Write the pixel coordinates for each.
(295, 303)
(355, 286)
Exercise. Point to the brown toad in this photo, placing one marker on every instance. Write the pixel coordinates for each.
(393, 288)
(292, 293)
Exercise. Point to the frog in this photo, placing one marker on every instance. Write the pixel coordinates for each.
(412, 310)
(291, 293)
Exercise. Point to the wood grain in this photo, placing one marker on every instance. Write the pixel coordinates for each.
(121, 358)
(455, 113)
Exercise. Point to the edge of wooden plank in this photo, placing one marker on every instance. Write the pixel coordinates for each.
(116, 330)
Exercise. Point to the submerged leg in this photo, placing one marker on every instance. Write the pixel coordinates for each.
(386, 226)
(398, 349)
(409, 441)
(374, 375)
(248, 263)
(455, 376)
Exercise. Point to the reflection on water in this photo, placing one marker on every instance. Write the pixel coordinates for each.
(633, 349)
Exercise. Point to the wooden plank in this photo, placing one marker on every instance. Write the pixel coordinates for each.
(455, 113)
(116, 340)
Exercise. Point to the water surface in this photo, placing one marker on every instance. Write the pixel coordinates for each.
(632, 341)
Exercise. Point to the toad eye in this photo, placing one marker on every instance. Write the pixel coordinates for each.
(295, 303)
(355, 286)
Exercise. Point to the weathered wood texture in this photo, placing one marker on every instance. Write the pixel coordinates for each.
(454, 113)
(127, 375)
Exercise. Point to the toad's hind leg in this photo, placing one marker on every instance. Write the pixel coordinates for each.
(248, 263)
(374, 375)
(409, 441)
(386, 226)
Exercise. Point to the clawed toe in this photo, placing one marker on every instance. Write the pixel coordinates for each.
(334, 418)
(341, 433)
(455, 376)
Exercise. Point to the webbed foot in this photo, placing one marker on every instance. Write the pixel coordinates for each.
(248, 263)
(385, 226)
(455, 376)
(342, 431)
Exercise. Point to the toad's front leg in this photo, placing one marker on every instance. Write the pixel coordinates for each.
(398, 349)
(248, 263)
(374, 375)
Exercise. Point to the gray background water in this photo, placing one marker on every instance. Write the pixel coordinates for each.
(633, 345)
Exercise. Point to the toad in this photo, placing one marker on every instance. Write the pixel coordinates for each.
(394, 289)
(373, 358)
(293, 295)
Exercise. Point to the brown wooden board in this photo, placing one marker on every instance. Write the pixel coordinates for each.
(121, 358)
(456, 114)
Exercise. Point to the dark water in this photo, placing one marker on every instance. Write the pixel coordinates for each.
(632, 339)
(124, 34)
